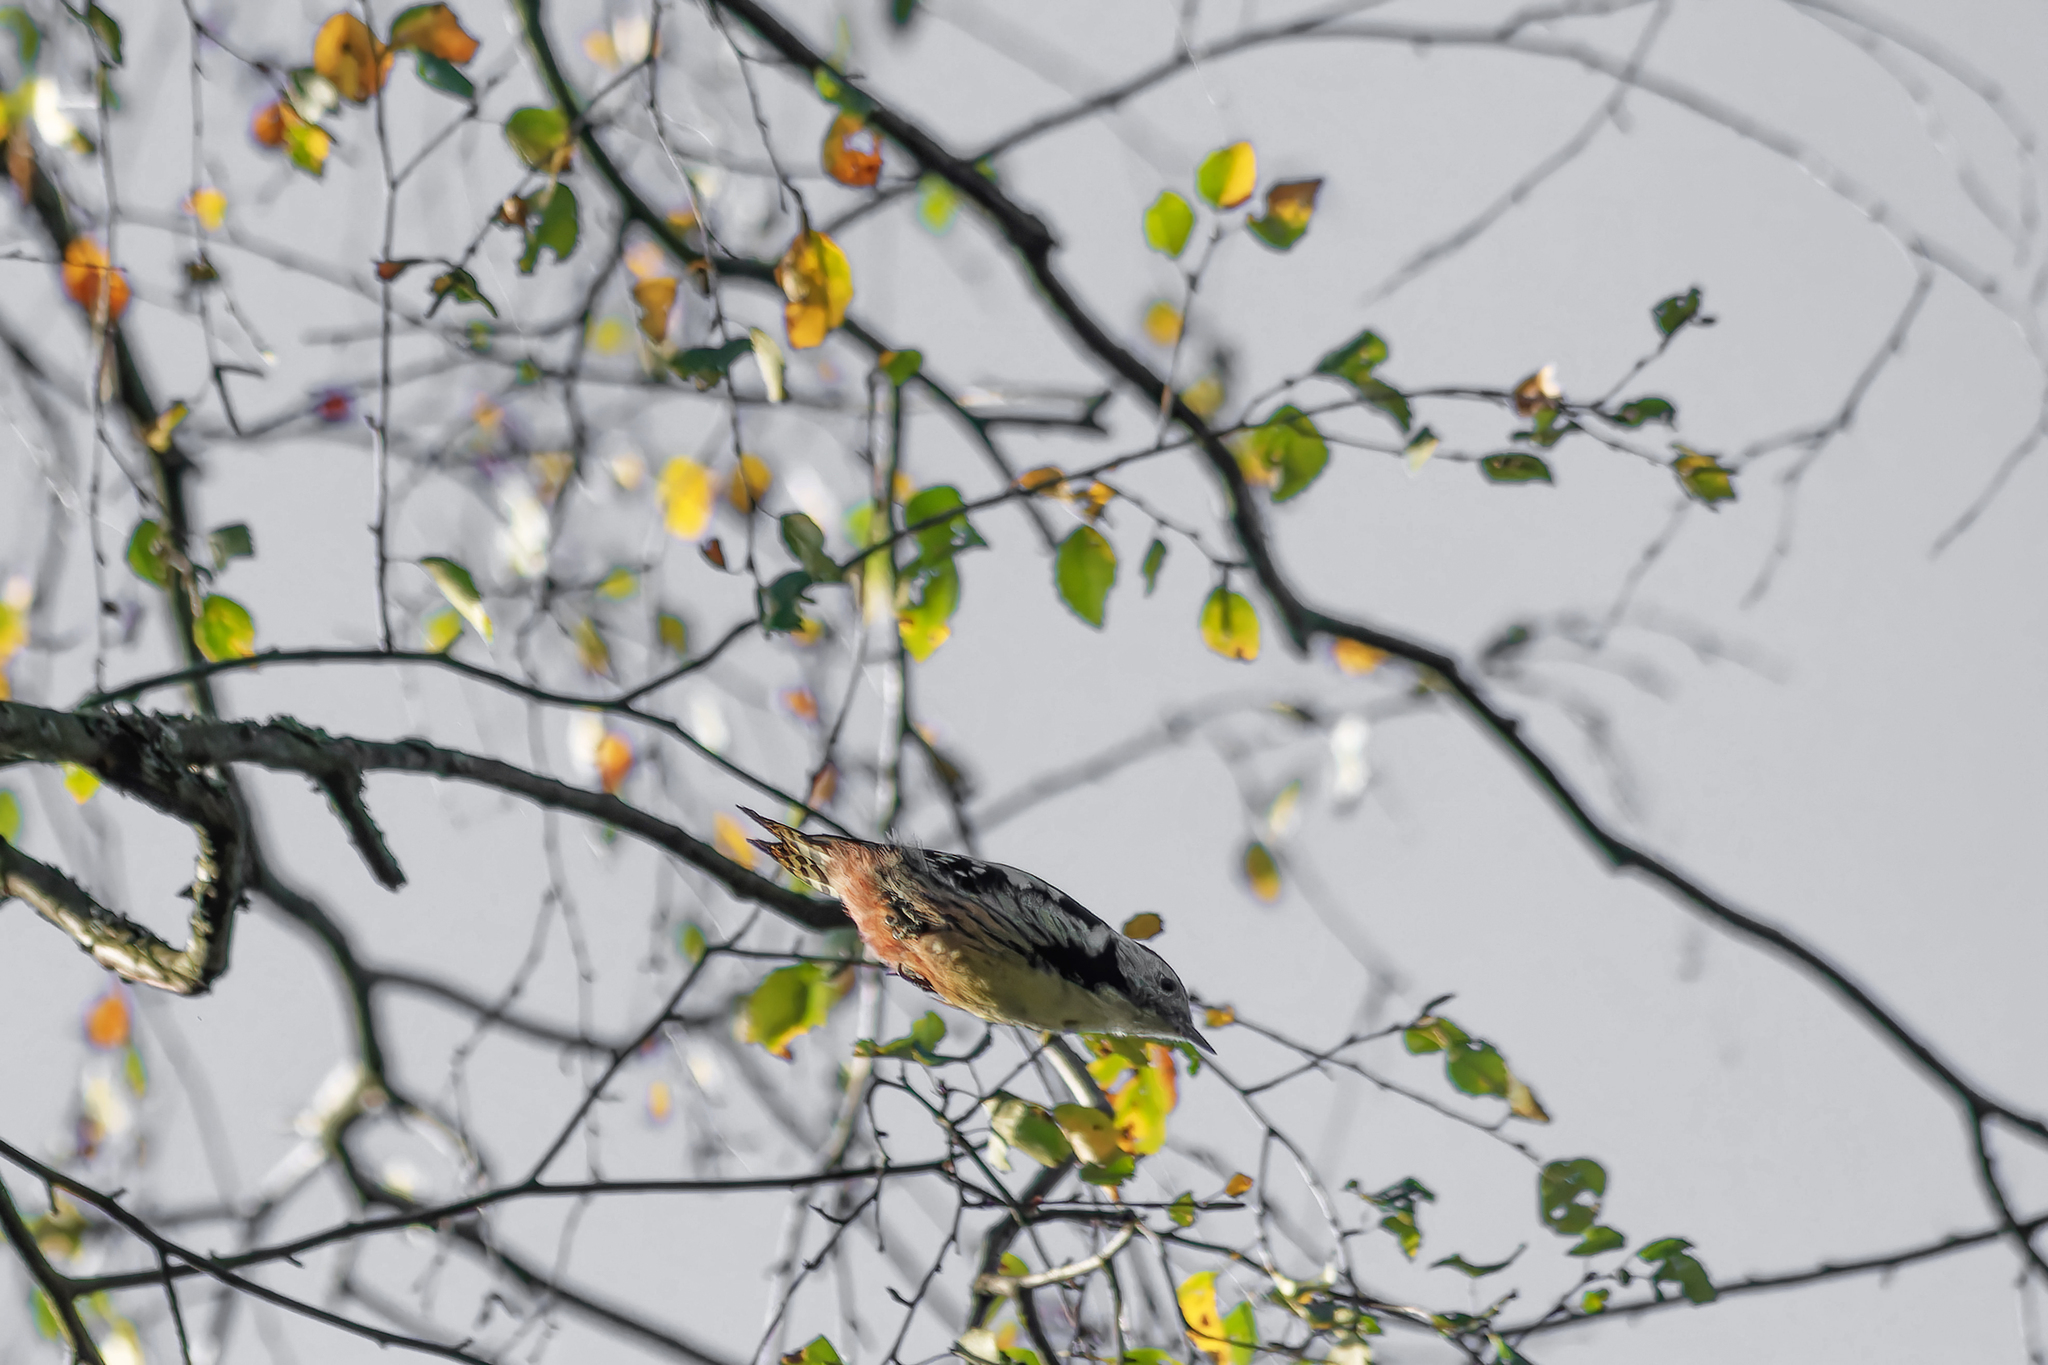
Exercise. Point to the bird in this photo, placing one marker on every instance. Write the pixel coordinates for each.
(992, 940)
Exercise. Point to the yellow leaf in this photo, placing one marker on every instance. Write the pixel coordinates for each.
(618, 585)
(209, 206)
(1144, 1099)
(1237, 1185)
(599, 47)
(608, 336)
(13, 630)
(1091, 1132)
(852, 154)
(81, 782)
(1537, 392)
(654, 297)
(1522, 1101)
(1091, 502)
(661, 1101)
(685, 492)
(1205, 1325)
(672, 632)
(1229, 626)
(1142, 927)
(768, 356)
(749, 482)
(818, 283)
(1262, 872)
(1162, 323)
(1219, 1016)
(732, 840)
(1204, 397)
(614, 761)
(348, 54)
(1704, 476)
(1355, 658)
(591, 650)
(440, 629)
(433, 29)
(158, 435)
(1227, 176)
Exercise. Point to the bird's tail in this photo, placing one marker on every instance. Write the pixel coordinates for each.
(798, 852)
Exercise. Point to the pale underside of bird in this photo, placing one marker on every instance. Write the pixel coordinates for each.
(989, 939)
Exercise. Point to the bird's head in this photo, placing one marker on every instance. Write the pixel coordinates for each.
(1156, 992)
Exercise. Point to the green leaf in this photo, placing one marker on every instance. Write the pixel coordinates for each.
(806, 541)
(1677, 311)
(1387, 399)
(704, 366)
(1595, 1301)
(1401, 1225)
(1356, 359)
(136, 1074)
(1285, 450)
(923, 623)
(1168, 223)
(1155, 556)
(832, 87)
(937, 203)
(1638, 411)
(230, 542)
(1471, 1271)
(461, 286)
(460, 589)
(691, 941)
(28, 39)
(146, 554)
(901, 366)
(1515, 466)
(1673, 1266)
(1084, 570)
(1027, 1127)
(224, 629)
(1431, 1033)
(940, 542)
(929, 1030)
(1112, 1172)
(538, 135)
(1597, 1240)
(1230, 626)
(1241, 1330)
(1289, 206)
(10, 817)
(901, 12)
(784, 596)
(1547, 429)
(1182, 1209)
(557, 231)
(674, 635)
(789, 1002)
(1477, 1069)
(106, 30)
(1703, 476)
(48, 1323)
(441, 74)
(1568, 1195)
(817, 1351)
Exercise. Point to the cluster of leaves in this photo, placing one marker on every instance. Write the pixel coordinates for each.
(1225, 180)
(222, 627)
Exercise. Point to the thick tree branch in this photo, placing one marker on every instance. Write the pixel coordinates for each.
(59, 1290)
(142, 754)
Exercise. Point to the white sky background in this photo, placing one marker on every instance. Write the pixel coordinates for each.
(1870, 778)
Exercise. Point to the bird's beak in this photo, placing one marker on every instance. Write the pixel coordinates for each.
(1197, 1039)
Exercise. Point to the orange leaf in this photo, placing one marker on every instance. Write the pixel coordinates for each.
(732, 840)
(86, 273)
(1047, 479)
(800, 702)
(107, 1021)
(853, 152)
(434, 30)
(1354, 658)
(1237, 1185)
(267, 127)
(614, 761)
(824, 787)
(654, 297)
(347, 53)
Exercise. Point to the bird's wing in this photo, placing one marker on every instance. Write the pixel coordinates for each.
(1040, 922)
